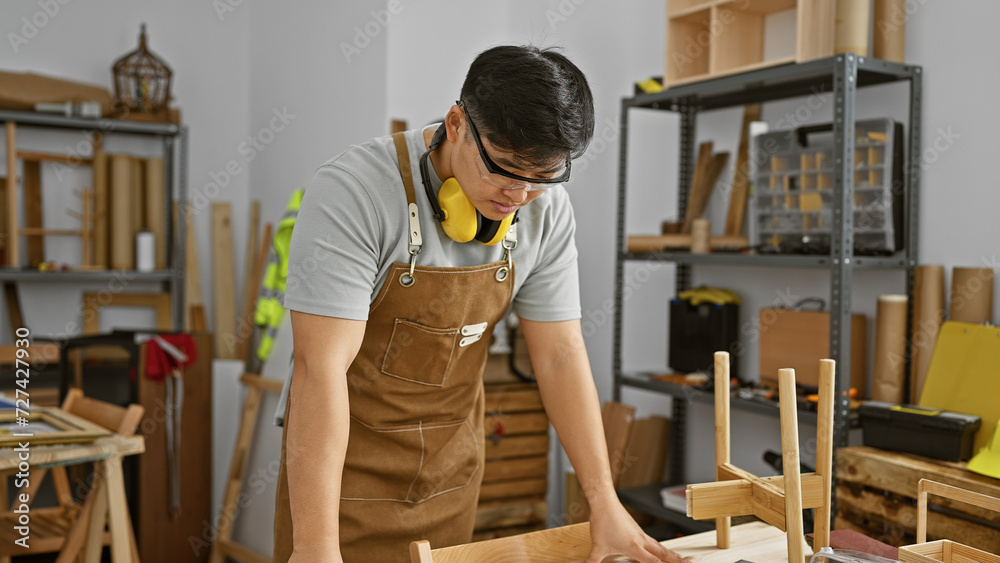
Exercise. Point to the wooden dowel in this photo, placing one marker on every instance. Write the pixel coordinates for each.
(790, 463)
(824, 450)
(722, 444)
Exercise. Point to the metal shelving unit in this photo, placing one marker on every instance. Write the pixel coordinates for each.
(841, 76)
(174, 139)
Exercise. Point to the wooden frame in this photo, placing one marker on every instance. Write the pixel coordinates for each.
(945, 550)
(776, 500)
(94, 302)
(71, 428)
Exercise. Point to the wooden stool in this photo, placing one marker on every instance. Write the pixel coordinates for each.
(776, 500)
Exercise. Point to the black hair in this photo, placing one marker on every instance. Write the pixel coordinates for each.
(530, 101)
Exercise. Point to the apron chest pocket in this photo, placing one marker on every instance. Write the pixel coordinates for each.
(419, 353)
(410, 463)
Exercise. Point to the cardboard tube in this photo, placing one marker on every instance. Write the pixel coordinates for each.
(122, 227)
(156, 210)
(889, 30)
(699, 236)
(138, 197)
(971, 295)
(890, 349)
(100, 169)
(928, 313)
(851, 28)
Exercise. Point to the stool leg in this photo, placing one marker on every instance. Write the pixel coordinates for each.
(722, 445)
(117, 511)
(98, 516)
(824, 451)
(790, 462)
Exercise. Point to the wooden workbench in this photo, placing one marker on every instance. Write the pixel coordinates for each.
(756, 541)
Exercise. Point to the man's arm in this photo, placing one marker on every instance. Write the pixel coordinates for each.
(318, 426)
(566, 383)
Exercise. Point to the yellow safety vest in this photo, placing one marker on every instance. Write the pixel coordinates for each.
(270, 310)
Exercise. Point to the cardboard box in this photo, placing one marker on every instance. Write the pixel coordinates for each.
(800, 339)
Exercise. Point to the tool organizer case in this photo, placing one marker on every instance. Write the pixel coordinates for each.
(792, 204)
(947, 436)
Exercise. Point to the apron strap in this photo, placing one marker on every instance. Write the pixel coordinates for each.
(416, 242)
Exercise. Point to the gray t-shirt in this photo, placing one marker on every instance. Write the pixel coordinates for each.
(352, 226)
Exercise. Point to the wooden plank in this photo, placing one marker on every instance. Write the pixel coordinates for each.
(71, 160)
(557, 545)
(523, 468)
(251, 289)
(12, 244)
(514, 424)
(31, 184)
(513, 489)
(815, 30)
(899, 474)
(898, 516)
(499, 514)
(514, 398)
(101, 216)
(506, 532)
(518, 446)
(738, 195)
(701, 169)
(224, 284)
(617, 430)
(250, 259)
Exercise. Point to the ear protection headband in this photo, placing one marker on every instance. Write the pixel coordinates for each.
(460, 219)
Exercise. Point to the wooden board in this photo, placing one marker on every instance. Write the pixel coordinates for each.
(517, 446)
(515, 424)
(646, 453)
(14, 314)
(251, 290)
(101, 215)
(513, 489)
(799, 339)
(519, 512)
(31, 182)
(506, 532)
(163, 539)
(510, 469)
(224, 284)
(701, 171)
(738, 195)
(513, 398)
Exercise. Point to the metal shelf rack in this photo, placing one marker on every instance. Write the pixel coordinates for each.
(840, 75)
(174, 139)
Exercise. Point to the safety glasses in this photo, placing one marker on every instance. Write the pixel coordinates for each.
(497, 176)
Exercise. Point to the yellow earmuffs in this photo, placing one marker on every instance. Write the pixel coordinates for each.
(459, 218)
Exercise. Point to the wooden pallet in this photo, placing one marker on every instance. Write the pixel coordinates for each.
(515, 480)
(877, 492)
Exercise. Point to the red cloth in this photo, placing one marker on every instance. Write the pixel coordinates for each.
(159, 363)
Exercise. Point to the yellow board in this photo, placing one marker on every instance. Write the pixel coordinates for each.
(963, 375)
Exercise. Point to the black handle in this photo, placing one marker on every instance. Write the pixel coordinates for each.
(803, 133)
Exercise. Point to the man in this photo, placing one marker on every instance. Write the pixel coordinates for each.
(405, 278)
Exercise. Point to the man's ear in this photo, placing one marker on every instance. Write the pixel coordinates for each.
(454, 122)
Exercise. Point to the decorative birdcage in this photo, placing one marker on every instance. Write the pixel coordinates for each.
(142, 81)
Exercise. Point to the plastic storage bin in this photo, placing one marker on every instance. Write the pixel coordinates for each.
(791, 207)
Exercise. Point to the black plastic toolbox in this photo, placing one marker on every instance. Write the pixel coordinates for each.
(947, 436)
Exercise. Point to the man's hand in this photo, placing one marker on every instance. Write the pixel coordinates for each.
(614, 532)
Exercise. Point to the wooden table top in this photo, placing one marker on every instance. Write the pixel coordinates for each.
(757, 542)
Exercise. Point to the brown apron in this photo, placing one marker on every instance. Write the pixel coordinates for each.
(415, 455)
